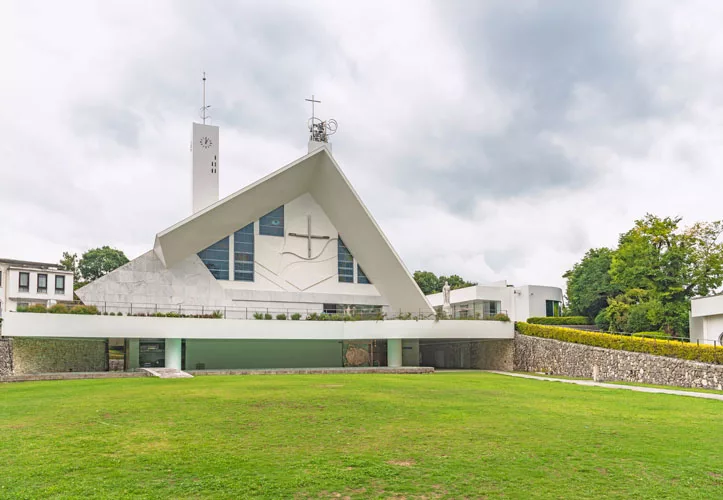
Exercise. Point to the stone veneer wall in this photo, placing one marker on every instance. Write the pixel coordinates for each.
(32, 355)
(493, 355)
(534, 354)
(6, 357)
(480, 355)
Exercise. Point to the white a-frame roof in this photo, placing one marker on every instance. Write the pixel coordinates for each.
(318, 174)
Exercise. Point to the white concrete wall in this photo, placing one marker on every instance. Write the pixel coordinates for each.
(706, 306)
(204, 162)
(82, 326)
(532, 300)
(529, 300)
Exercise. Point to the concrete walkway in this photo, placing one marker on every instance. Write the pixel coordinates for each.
(637, 388)
(167, 372)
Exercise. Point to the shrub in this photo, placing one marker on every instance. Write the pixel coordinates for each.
(58, 309)
(217, 315)
(281, 317)
(82, 309)
(36, 308)
(312, 317)
(22, 309)
(296, 317)
(652, 335)
(111, 314)
(560, 320)
(602, 321)
(268, 316)
(501, 317)
(670, 348)
(258, 316)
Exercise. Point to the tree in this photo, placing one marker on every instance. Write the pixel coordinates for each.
(588, 283)
(69, 262)
(429, 283)
(98, 262)
(455, 282)
(648, 281)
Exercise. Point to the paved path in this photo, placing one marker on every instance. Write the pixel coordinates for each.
(637, 388)
(167, 373)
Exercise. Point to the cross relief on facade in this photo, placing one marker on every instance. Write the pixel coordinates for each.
(309, 236)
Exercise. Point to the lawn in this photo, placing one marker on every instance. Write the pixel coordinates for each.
(448, 435)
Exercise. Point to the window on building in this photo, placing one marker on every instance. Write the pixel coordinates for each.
(42, 283)
(215, 258)
(272, 224)
(552, 308)
(346, 263)
(1, 279)
(24, 282)
(59, 284)
(361, 277)
(243, 254)
(332, 308)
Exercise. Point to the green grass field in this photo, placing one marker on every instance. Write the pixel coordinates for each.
(447, 435)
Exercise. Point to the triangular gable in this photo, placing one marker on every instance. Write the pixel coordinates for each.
(318, 174)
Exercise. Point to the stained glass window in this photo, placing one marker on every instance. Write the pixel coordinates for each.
(216, 259)
(346, 263)
(272, 224)
(243, 254)
(361, 277)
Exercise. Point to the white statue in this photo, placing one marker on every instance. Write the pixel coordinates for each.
(446, 307)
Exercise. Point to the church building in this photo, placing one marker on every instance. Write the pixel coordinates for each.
(295, 245)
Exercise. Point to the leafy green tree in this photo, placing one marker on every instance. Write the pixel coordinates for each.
(588, 283)
(69, 262)
(427, 282)
(98, 262)
(649, 279)
(455, 282)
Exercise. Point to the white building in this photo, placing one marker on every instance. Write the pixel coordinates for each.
(706, 319)
(487, 300)
(24, 283)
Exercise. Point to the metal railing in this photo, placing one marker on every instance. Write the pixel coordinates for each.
(351, 313)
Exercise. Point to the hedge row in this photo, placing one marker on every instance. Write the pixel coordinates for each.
(704, 353)
(560, 320)
(59, 309)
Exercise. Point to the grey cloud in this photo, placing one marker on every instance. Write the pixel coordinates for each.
(541, 52)
(115, 123)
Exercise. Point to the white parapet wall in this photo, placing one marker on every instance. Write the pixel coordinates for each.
(88, 326)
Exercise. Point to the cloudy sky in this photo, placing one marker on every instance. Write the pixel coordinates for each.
(493, 139)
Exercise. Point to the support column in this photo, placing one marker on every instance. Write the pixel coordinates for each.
(394, 353)
(131, 354)
(173, 353)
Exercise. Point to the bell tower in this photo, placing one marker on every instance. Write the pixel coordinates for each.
(204, 159)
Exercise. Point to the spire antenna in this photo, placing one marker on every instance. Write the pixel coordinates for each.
(319, 130)
(204, 109)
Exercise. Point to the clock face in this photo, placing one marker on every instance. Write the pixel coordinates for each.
(206, 142)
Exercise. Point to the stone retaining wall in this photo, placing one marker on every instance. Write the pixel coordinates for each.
(535, 354)
(474, 354)
(6, 357)
(34, 355)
